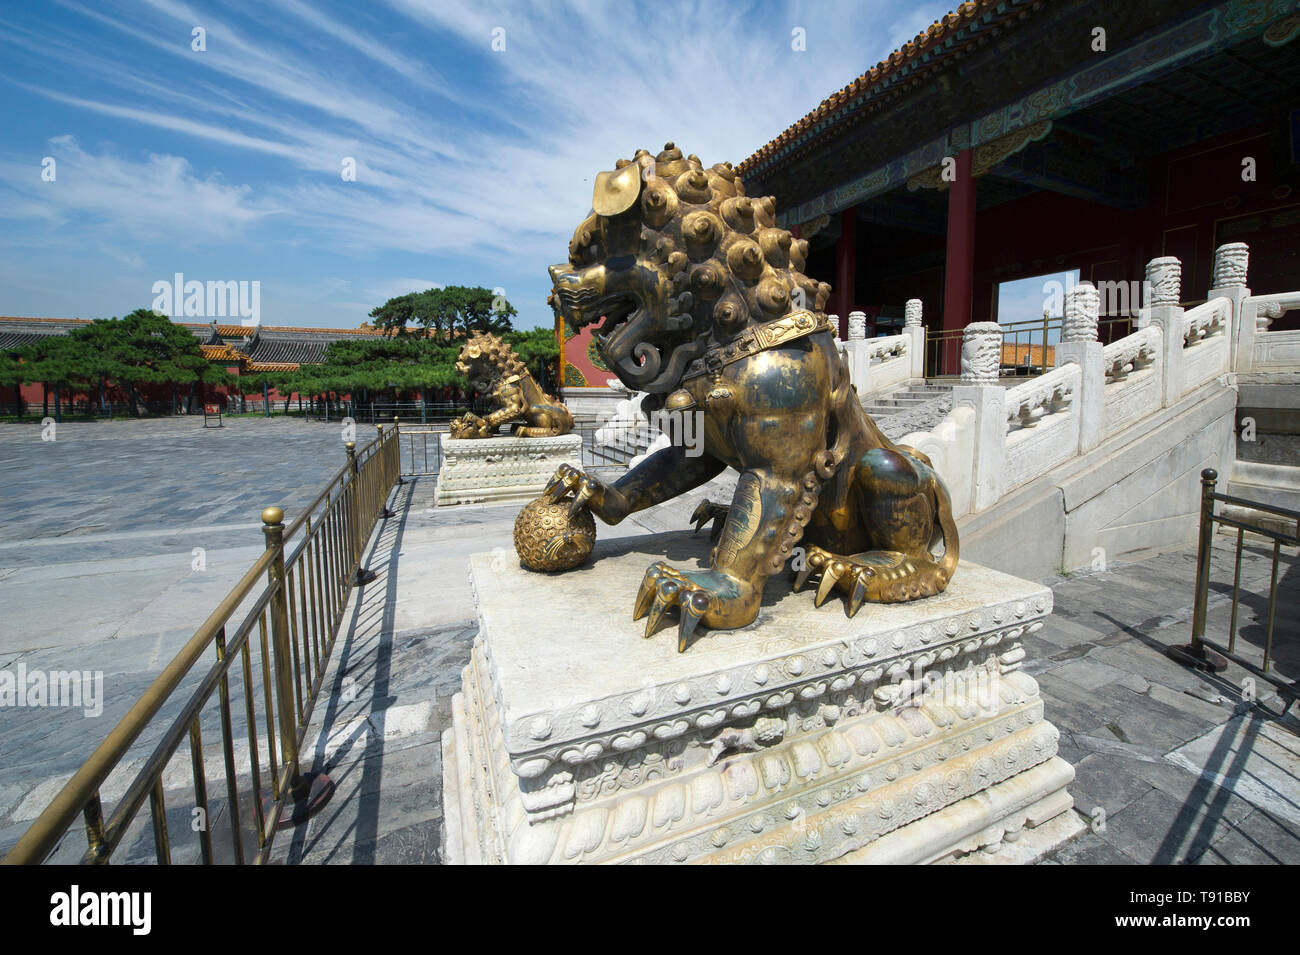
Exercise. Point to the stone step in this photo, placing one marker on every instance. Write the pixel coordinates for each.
(1277, 485)
(902, 401)
(878, 408)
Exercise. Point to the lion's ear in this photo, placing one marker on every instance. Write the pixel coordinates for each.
(616, 191)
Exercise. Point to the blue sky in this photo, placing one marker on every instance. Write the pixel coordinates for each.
(473, 165)
(1025, 299)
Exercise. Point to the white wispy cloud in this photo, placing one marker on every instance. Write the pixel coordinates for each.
(156, 196)
(482, 160)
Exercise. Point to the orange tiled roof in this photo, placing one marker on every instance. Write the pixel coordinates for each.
(363, 330)
(221, 353)
(233, 331)
(272, 366)
(934, 35)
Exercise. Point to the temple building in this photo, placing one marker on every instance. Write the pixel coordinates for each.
(1023, 138)
(239, 349)
(1018, 138)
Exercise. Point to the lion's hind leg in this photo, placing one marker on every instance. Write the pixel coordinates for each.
(878, 576)
(901, 505)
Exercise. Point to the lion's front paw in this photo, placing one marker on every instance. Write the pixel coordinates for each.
(569, 480)
(704, 595)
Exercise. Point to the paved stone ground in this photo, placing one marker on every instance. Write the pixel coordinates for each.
(1151, 740)
(97, 563)
(1183, 769)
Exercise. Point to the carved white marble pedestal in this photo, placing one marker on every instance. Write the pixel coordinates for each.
(502, 469)
(907, 734)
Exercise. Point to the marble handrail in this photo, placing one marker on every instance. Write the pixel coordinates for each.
(1047, 394)
(1205, 320)
(1131, 353)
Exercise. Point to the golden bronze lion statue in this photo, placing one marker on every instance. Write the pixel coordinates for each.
(706, 308)
(492, 368)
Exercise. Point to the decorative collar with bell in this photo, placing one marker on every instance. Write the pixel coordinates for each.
(755, 339)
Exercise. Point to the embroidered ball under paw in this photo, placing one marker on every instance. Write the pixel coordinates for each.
(547, 538)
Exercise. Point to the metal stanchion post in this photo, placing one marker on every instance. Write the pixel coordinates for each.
(385, 480)
(397, 436)
(361, 576)
(307, 794)
(1196, 653)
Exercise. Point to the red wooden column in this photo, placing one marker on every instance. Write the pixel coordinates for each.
(846, 266)
(959, 263)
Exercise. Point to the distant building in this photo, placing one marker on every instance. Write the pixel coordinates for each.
(1017, 138)
(240, 349)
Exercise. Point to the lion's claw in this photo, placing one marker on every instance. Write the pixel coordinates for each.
(880, 576)
(569, 480)
(582, 494)
(644, 596)
(692, 610)
(707, 511)
(564, 480)
(849, 573)
(832, 573)
(664, 587)
(657, 611)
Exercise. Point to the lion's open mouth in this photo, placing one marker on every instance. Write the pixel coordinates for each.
(622, 339)
(629, 340)
(584, 306)
(617, 311)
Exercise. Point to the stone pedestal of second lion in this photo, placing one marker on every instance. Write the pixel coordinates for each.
(506, 469)
(907, 734)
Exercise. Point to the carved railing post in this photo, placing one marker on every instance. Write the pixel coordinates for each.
(1231, 264)
(854, 351)
(835, 324)
(981, 353)
(857, 326)
(1163, 291)
(1079, 344)
(1164, 281)
(981, 356)
(915, 333)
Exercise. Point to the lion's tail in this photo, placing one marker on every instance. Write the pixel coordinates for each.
(948, 526)
(945, 524)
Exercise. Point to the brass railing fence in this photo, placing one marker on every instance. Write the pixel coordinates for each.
(296, 594)
(421, 454)
(1209, 654)
(1027, 347)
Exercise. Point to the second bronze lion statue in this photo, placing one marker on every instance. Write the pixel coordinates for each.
(492, 368)
(705, 306)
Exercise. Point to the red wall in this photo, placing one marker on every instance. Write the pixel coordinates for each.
(1199, 201)
(32, 395)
